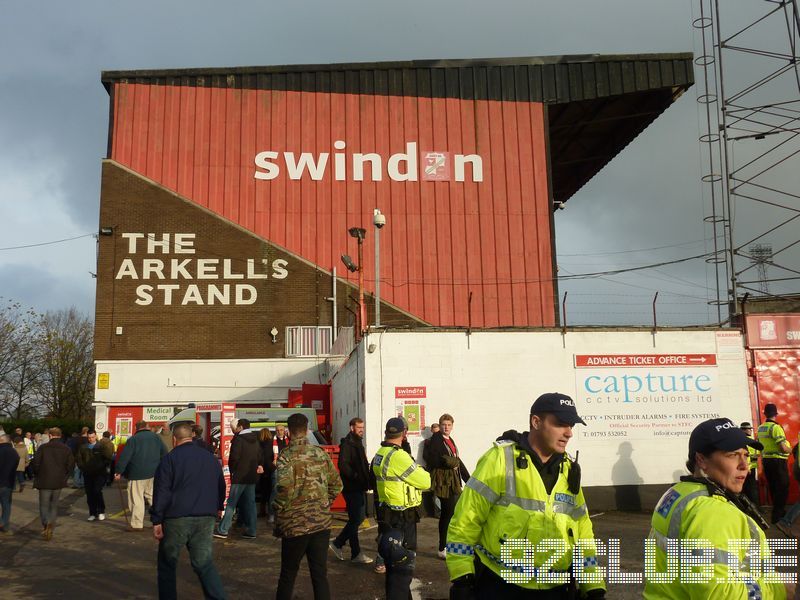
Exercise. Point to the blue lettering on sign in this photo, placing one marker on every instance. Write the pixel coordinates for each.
(568, 499)
(649, 383)
(666, 503)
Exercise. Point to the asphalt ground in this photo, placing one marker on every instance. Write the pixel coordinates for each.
(87, 559)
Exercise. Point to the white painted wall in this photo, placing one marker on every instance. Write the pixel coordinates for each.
(347, 398)
(488, 381)
(180, 382)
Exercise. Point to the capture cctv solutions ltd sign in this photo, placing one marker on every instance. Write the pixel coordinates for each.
(645, 396)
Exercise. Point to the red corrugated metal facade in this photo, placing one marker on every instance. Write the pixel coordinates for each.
(443, 239)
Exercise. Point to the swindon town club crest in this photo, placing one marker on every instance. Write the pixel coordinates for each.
(436, 166)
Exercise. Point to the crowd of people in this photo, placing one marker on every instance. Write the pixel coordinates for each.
(525, 486)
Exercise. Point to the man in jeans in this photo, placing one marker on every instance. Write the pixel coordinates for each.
(354, 470)
(307, 485)
(52, 464)
(138, 463)
(9, 459)
(246, 464)
(188, 494)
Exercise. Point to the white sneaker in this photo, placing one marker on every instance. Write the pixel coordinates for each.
(336, 551)
(362, 559)
(101, 517)
(91, 518)
(442, 554)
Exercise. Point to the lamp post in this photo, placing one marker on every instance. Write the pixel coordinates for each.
(379, 220)
(359, 233)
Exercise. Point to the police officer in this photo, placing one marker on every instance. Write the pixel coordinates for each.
(708, 505)
(750, 488)
(774, 459)
(525, 488)
(399, 485)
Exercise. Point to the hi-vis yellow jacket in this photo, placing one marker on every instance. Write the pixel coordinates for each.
(400, 480)
(771, 435)
(503, 502)
(688, 512)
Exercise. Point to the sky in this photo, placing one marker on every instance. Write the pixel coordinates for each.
(645, 207)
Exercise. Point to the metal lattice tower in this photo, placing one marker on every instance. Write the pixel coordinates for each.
(749, 91)
(761, 255)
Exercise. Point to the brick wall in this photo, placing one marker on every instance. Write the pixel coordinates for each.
(196, 324)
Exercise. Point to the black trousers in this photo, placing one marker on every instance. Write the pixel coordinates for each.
(314, 547)
(398, 580)
(448, 508)
(93, 484)
(750, 488)
(490, 586)
(777, 474)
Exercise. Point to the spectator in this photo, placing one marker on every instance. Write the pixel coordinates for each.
(108, 449)
(354, 471)
(166, 437)
(30, 448)
(45, 438)
(9, 459)
(19, 447)
(93, 460)
(189, 493)
(447, 472)
(307, 485)
(265, 481)
(51, 467)
(137, 463)
(197, 438)
(245, 463)
(429, 501)
(427, 444)
(281, 438)
(72, 443)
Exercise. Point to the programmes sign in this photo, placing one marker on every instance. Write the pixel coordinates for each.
(645, 396)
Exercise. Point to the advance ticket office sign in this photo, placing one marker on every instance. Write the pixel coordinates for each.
(644, 396)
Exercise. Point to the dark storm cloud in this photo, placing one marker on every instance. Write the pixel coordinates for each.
(54, 111)
(43, 290)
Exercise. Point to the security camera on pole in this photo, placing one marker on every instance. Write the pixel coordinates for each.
(379, 220)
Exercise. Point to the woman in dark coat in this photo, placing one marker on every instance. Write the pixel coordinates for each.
(447, 473)
(265, 481)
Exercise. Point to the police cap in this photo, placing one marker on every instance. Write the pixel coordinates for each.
(395, 426)
(560, 405)
(719, 434)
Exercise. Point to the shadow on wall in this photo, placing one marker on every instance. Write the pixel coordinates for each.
(626, 494)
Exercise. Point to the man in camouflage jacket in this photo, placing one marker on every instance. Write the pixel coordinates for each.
(307, 484)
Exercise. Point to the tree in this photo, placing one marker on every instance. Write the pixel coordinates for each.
(19, 367)
(64, 351)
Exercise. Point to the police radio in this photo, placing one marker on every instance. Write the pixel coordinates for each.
(522, 461)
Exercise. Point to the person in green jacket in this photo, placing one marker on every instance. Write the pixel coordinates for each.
(138, 463)
(707, 535)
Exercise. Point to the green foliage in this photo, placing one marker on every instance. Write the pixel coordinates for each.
(68, 426)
